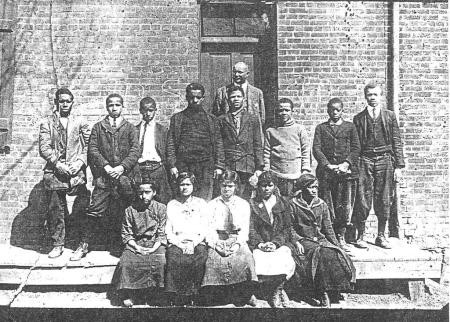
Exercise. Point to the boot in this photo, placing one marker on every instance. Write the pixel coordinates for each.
(381, 241)
(275, 300)
(81, 251)
(342, 244)
(284, 298)
(56, 252)
(324, 299)
(360, 243)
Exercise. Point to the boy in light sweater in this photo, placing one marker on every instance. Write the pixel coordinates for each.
(286, 150)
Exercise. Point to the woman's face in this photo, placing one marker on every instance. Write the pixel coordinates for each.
(227, 189)
(267, 189)
(311, 191)
(186, 187)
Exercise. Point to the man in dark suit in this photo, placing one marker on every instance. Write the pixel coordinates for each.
(242, 141)
(381, 159)
(152, 138)
(336, 149)
(253, 97)
(194, 143)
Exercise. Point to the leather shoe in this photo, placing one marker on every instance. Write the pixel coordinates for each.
(324, 300)
(275, 300)
(284, 298)
(342, 244)
(382, 242)
(253, 301)
(56, 252)
(360, 243)
(81, 251)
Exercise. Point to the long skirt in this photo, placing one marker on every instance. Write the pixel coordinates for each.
(136, 271)
(234, 269)
(325, 267)
(184, 272)
(278, 262)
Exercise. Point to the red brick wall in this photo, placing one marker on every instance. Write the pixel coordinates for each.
(329, 49)
(134, 48)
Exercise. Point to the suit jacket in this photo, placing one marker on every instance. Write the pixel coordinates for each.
(173, 139)
(261, 230)
(390, 130)
(113, 147)
(243, 150)
(78, 132)
(253, 101)
(160, 139)
(330, 147)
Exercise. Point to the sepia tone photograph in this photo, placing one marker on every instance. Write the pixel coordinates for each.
(218, 160)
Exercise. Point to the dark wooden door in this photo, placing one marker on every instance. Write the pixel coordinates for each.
(216, 65)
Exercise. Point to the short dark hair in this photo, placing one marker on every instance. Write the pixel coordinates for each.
(286, 100)
(229, 175)
(372, 85)
(152, 182)
(195, 87)
(334, 100)
(234, 88)
(145, 101)
(63, 90)
(267, 177)
(186, 175)
(110, 96)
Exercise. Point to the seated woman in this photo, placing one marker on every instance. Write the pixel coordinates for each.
(142, 262)
(270, 234)
(328, 268)
(187, 223)
(230, 261)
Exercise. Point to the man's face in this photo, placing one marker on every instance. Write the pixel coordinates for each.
(195, 98)
(240, 73)
(236, 100)
(146, 193)
(373, 96)
(114, 107)
(148, 112)
(335, 112)
(284, 112)
(64, 103)
(311, 191)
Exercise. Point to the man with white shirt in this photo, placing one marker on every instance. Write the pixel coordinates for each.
(113, 153)
(63, 140)
(152, 138)
(253, 97)
(380, 161)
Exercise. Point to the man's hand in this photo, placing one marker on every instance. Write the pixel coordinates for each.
(142, 250)
(217, 173)
(108, 169)
(74, 167)
(234, 248)
(174, 172)
(116, 172)
(343, 167)
(397, 175)
(300, 248)
(62, 168)
(221, 251)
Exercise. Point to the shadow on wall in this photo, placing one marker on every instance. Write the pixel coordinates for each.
(29, 227)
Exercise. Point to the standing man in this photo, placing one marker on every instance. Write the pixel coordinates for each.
(286, 149)
(152, 138)
(112, 155)
(336, 149)
(381, 159)
(194, 143)
(63, 141)
(242, 143)
(253, 97)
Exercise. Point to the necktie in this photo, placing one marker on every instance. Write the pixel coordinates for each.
(114, 123)
(143, 135)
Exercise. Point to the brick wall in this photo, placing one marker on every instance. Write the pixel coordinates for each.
(328, 49)
(134, 48)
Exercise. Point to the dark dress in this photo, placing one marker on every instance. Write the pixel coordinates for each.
(146, 225)
(324, 266)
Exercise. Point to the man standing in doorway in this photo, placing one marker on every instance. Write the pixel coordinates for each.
(194, 143)
(380, 163)
(253, 97)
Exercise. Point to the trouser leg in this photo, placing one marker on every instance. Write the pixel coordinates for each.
(245, 189)
(98, 207)
(383, 192)
(57, 210)
(394, 225)
(364, 194)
